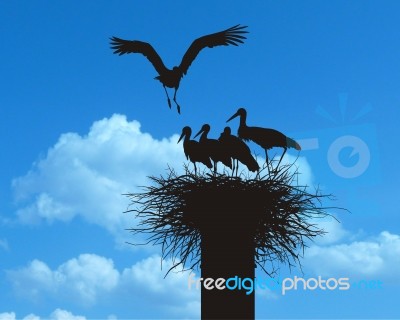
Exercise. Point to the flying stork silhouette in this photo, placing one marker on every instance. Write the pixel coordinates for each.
(264, 137)
(239, 151)
(214, 148)
(171, 77)
(194, 151)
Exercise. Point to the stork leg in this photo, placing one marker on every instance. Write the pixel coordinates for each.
(266, 159)
(215, 168)
(169, 100)
(233, 167)
(177, 105)
(281, 157)
(237, 166)
(195, 169)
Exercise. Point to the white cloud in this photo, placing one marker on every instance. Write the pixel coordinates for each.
(7, 316)
(172, 292)
(60, 314)
(334, 231)
(89, 279)
(31, 317)
(87, 275)
(87, 175)
(377, 257)
(57, 314)
(83, 277)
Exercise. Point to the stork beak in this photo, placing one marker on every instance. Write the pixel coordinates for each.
(201, 130)
(234, 116)
(182, 135)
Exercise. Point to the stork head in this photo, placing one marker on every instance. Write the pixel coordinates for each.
(227, 131)
(240, 113)
(205, 128)
(186, 131)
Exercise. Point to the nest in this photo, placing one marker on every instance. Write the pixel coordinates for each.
(272, 207)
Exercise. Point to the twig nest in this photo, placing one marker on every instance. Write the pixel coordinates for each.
(272, 209)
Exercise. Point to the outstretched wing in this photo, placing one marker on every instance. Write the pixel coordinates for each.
(121, 46)
(231, 36)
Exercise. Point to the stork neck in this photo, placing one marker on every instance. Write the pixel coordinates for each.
(203, 136)
(243, 120)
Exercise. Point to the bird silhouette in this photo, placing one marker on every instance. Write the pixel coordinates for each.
(264, 137)
(238, 150)
(214, 148)
(171, 77)
(194, 151)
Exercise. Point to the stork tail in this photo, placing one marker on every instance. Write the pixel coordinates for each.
(253, 167)
(292, 144)
(252, 164)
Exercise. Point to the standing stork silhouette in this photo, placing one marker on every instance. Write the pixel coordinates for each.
(214, 148)
(194, 151)
(264, 137)
(239, 151)
(171, 77)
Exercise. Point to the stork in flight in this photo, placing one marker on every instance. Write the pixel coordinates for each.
(264, 137)
(194, 151)
(171, 77)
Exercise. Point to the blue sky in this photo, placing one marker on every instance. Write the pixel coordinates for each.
(80, 126)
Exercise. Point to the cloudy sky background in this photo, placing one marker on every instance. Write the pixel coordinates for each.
(80, 127)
